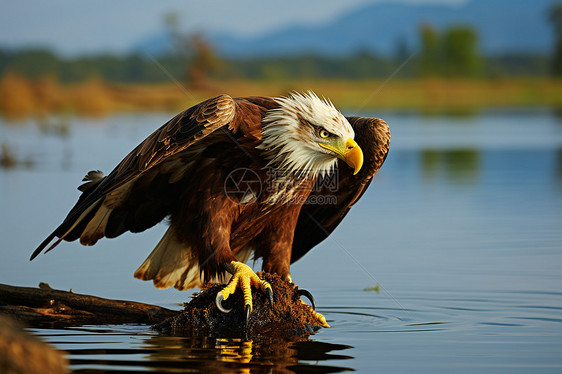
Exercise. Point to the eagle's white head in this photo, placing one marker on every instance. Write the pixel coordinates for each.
(306, 135)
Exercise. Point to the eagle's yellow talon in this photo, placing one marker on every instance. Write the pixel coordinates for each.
(242, 277)
(321, 318)
(318, 316)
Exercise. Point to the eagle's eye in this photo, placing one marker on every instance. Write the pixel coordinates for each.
(323, 134)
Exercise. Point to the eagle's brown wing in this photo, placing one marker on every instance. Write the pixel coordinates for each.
(100, 210)
(319, 218)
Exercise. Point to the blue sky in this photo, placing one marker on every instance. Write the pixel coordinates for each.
(74, 27)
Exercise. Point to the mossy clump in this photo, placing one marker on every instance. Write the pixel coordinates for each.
(287, 318)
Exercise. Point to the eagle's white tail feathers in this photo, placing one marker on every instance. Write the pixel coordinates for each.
(171, 264)
(166, 263)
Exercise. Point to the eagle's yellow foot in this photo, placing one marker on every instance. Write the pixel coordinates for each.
(318, 316)
(244, 277)
(321, 319)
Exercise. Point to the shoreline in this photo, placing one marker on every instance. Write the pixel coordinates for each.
(23, 98)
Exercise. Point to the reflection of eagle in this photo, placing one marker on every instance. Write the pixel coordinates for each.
(180, 172)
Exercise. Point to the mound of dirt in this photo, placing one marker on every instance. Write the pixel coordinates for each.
(288, 317)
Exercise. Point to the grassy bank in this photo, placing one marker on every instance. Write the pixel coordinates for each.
(20, 97)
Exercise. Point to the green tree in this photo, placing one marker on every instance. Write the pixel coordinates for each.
(430, 59)
(200, 54)
(204, 61)
(460, 52)
(556, 20)
(453, 53)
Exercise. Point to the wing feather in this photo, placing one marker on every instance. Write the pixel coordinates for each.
(178, 134)
(95, 229)
(317, 222)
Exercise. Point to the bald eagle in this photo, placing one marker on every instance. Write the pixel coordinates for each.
(235, 177)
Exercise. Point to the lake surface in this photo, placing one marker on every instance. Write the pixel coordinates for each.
(461, 231)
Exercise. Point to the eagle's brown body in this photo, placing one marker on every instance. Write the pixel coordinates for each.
(180, 172)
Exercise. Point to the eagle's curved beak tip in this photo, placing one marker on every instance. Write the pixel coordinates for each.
(353, 155)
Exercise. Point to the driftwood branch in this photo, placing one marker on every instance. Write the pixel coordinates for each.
(46, 307)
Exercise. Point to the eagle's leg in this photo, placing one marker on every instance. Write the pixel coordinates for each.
(244, 277)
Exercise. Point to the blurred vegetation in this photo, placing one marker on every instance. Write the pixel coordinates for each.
(459, 166)
(447, 72)
(556, 20)
(195, 52)
(451, 54)
(449, 59)
(94, 97)
(9, 160)
(376, 288)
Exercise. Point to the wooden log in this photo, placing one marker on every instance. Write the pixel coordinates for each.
(46, 307)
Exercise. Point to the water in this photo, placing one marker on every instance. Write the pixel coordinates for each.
(461, 231)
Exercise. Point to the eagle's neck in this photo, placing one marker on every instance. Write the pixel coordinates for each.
(289, 150)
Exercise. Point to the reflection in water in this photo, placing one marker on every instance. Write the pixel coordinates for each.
(459, 166)
(430, 111)
(54, 126)
(164, 353)
(471, 329)
(557, 112)
(558, 171)
(244, 356)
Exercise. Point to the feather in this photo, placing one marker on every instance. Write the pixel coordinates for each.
(92, 179)
(84, 214)
(193, 277)
(167, 263)
(172, 264)
(95, 229)
(177, 135)
(317, 221)
(114, 198)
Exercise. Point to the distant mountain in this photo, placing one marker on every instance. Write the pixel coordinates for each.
(503, 26)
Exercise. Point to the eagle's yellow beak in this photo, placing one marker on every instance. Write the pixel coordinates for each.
(350, 153)
(353, 155)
